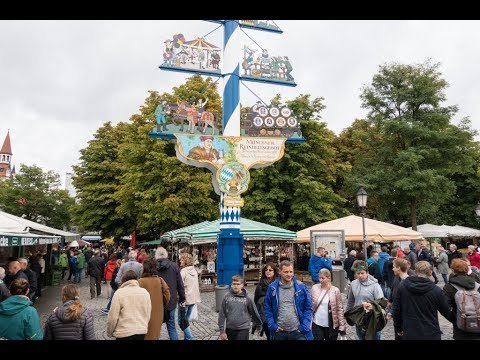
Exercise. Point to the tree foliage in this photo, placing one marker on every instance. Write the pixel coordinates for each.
(420, 149)
(97, 179)
(36, 195)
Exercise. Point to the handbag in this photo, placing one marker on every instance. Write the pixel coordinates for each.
(193, 314)
(183, 318)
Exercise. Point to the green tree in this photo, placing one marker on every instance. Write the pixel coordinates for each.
(420, 147)
(297, 191)
(96, 180)
(156, 190)
(36, 195)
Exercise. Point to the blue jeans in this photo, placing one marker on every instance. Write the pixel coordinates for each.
(110, 298)
(285, 335)
(187, 332)
(172, 331)
(361, 333)
(445, 278)
(76, 276)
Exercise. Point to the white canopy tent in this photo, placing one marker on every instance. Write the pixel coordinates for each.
(376, 231)
(445, 231)
(14, 224)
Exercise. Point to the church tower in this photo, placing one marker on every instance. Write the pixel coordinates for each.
(6, 158)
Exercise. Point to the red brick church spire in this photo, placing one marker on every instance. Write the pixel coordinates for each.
(7, 147)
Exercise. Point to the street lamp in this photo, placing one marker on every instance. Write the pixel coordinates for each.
(362, 197)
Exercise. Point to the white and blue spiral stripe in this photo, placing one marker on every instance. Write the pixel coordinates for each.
(231, 89)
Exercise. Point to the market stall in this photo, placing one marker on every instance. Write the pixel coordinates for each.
(377, 233)
(262, 243)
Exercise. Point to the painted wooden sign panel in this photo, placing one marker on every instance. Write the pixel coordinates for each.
(196, 55)
(184, 117)
(271, 122)
(260, 64)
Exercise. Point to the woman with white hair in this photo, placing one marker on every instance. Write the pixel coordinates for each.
(442, 263)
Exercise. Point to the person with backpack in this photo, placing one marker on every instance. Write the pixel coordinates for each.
(460, 288)
(416, 304)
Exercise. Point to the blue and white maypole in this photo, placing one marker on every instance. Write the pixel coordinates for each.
(230, 240)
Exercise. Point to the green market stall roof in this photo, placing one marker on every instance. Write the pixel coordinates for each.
(207, 231)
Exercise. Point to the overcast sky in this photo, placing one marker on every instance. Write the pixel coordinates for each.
(61, 80)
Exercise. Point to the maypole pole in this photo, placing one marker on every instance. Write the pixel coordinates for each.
(230, 240)
(258, 142)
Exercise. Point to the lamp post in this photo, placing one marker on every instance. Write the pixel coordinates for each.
(362, 197)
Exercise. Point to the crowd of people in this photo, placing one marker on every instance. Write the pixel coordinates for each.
(149, 290)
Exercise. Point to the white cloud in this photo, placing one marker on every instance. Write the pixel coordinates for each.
(60, 80)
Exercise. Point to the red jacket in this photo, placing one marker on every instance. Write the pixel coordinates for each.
(474, 259)
(109, 269)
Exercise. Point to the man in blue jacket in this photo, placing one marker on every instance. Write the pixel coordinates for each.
(318, 262)
(288, 307)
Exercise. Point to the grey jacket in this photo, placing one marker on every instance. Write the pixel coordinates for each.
(363, 291)
(60, 327)
(237, 311)
(442, 263)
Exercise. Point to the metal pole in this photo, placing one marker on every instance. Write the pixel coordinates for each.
(230, 240)
(364, 235)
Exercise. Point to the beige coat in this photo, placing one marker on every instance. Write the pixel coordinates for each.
(159, 296)
(190, 281)
(336, 305)
(130, 311)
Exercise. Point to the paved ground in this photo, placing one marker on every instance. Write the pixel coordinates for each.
(205, 328)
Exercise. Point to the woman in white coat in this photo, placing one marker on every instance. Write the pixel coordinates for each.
(192, 290)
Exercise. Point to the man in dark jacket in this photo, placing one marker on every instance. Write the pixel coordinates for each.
(32, 277)
(453, 254)
(88, 256)
(388, 274)
(347, 265)
(15, 272)
(170, 272)
(423, 254)
(95, 270)
(416, 305)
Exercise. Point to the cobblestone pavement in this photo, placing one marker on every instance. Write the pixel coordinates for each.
(205, 328)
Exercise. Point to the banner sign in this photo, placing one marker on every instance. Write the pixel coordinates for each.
(229, 157)
(25, 240)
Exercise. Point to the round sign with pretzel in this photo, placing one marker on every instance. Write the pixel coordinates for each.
(286, 112)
